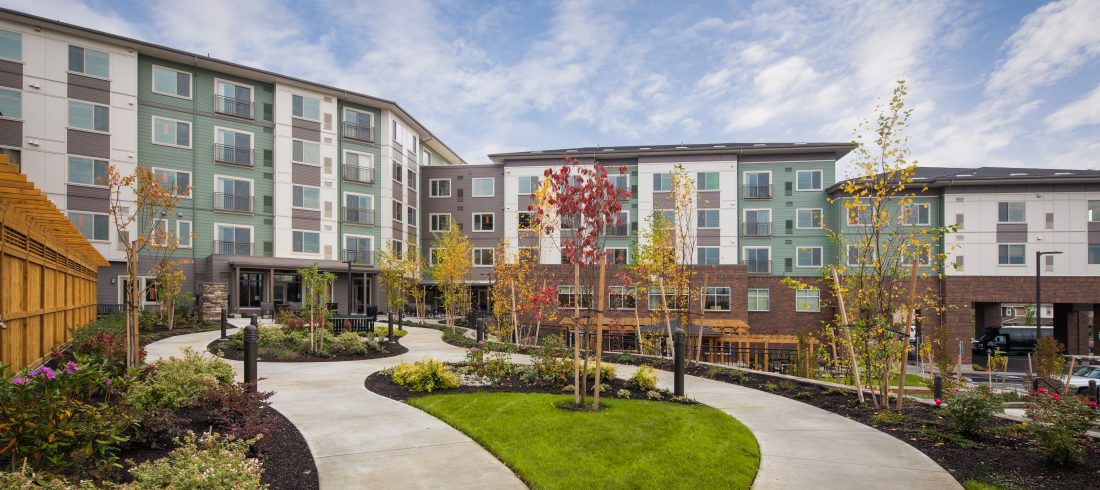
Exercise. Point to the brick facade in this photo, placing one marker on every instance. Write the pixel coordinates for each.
(781, 317)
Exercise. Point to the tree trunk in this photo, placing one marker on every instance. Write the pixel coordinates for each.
(577, 334)
(515, 318)
(133, 332)
(171, 314)
(848, 337)
(664, 307)
(702, 312)
(908, 326)
(599, 334)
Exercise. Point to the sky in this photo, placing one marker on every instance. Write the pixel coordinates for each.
(998, 83)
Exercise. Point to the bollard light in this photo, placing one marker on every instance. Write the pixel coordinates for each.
(225, 321)
(251, 339)
(678, 349)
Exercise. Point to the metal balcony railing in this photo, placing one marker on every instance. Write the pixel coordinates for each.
(757, 192)
(232, 248)
(232, 202)
(359, 174)
(359, 256)
(233, 155)
(359, 216)
(757, 228)
(358, 132)
(759, 266)
(233, 107)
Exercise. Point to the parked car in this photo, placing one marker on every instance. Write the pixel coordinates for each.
(1009, 340)
(1079, 382)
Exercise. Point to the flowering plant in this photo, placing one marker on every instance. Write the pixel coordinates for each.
(1059, 424)
(969, 409)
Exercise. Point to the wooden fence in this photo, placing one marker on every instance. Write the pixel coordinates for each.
(47, 272)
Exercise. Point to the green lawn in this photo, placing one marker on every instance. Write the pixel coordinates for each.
(631, 444)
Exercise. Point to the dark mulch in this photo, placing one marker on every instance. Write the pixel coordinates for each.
(1003, 455)
(391, 349)
(161, 332)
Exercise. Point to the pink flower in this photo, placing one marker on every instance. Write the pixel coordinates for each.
(939, 402)
(1092, 404)
(20, 381)
(71, 368)
(1056, 397)
(1041, 390)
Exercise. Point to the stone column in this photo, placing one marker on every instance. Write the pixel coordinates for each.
(215, 297)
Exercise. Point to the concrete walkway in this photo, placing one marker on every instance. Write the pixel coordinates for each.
(361, 439)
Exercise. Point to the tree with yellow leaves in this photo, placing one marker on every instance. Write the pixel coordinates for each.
(451, 265)
(169, 281)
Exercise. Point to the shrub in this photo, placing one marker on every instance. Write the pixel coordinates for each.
(104, 339)
(551, 361)
(968, 410)
(486, 362)
(803, 395)
(237, 411)
(1049, 362)
(623, 393)
(771, 387)
(157, 426)
(607, 372)
(427, 375)
(887, 417)
(654, 395)
(176, 382)
(645, 378)
(205, 462)
(1059, 425)
(348, 343)
(715, 372)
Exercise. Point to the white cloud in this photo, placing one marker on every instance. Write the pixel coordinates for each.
(1081, 112)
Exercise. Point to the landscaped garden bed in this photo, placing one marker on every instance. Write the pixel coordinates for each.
(292, 344)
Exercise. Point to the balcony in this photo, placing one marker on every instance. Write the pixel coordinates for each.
(759, 266)
(359, 256)
(357, 216)
(233, 155)
(757, 192)
(359, 174)
(757, 228)
(232, 248)
(357, 132)
(233, 107)
(233, 203)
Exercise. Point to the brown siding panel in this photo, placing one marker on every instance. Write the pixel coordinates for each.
(305, 130)
(11, 133)
(1094, 233)
(1012, 233)
(11, 74)
(302, 219)
(89, 89)
(89, 144)
(93, 199)
(306, 174)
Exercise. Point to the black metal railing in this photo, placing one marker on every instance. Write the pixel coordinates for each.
(233, 107)
(359, 174)
(359, 256)
(759, 266)
(757, 228)
(232, 202)
(354, 323)
(233, 155)
(757, 192)
(232, 248)
(359, 216)
(107, 309)
(355, 131)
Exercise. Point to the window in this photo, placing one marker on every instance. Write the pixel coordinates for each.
(617, 256)
(483, 221)
(11, 103)
(1094, 254)
(439, 188)
(398, 212)
(87, 171)
(167, 81)
(397, 172)
(759, 299)
(397, 246)
(758, 185)
(1010, 212)
(411, 179)
(171, 132)
(808, 180)
(307, 197)
(922, 253)
(439, 222)
(656, 302)
(233, 99)
(410, 216)
(1094, 211)
(426, 158)
(758, 222)
(306, 107)
(708, 255)
(232, 146)
(758, 259)
(809, 219)
(662, 182)
(483, 187)
(857, 256)
(1011, 254)
(11, 45)
(621, 182)
(435, 256)
(622, 298)
(359, 125)
(92, 226)
(158, 236)
(233, 240)
(183, 232)
(525, 220)
(483, 257)
(178, 180)
(358, 249)
(89, 62)
(232, 194)
(359, 209)
(92, 117)
(807, 300)
(917, 214)
(859, 212)
(708, 218)
(809, 256)
(528, 185)
(306, 152)
(567, 297)
(707, 181)
(716, 298)
(307, 242)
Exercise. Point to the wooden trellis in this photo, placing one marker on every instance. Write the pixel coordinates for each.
(48, 272)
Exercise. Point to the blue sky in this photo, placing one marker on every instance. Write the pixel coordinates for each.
(1011, 83)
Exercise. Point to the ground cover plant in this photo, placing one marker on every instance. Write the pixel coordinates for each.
(297, 344)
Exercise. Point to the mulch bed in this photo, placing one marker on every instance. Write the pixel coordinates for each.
(1004, 455)
(161, 332)
(391, 349)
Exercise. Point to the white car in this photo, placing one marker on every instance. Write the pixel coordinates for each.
(1079, 382)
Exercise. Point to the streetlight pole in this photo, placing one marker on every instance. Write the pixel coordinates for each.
(1039, 292)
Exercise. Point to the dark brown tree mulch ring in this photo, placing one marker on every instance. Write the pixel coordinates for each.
(391, 349)
(1003, 455)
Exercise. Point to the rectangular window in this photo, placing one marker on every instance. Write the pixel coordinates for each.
(11, 103)
(758, 222)
(808, 300)
(484, 221)
(567, 297)
(707, 181)
(397, 172)
(92, 226)
(439, 222)
(1094, 254)
(758, 259)
(89, 62)
(307, 242)
(410, 216)
(808, 180)
(617, 256)
(178, 181)
(183, 233)
(708, 218)
(11, 45)
(397, 246)
(439, 188)
(233, 240)
(306, 107)
(656, 302)
(398, 212)
(524, 220)
(758, 185)
(359, 209)
(809, 219)
(359, 249)
(917, 214)
(716, 299)
(233, 99)
(306, 152)
(759, 299)
(708, 255)
(358, 125)
(87, 171)
(809, 256)
(307, 197)
(528, 185)
(158, 236)
(922, 253)
(435, 256)
(483, 257)
(859, 212)
(167, 81)
(91, 117)
(1011, 212)
(483, 187)
(1011, 254)
(1094, 211)
(232, 147)
(411, 179)
(622, 298)
(171, 132)
(621, 182)
(662, 182)
(857, 256)
(232, 194)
